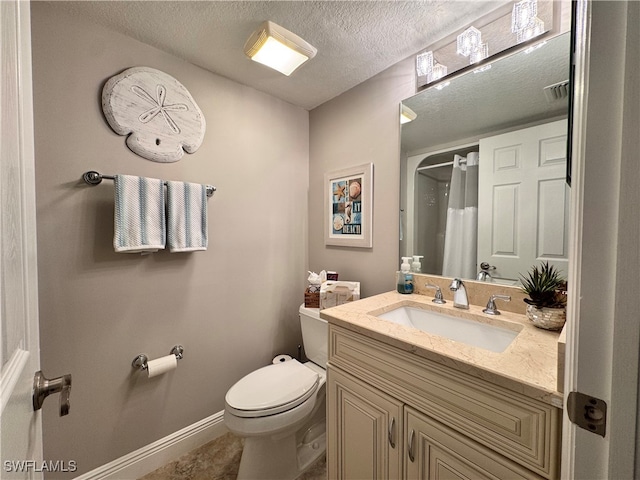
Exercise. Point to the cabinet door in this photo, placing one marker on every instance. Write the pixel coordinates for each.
(435, 452)
(364, 428)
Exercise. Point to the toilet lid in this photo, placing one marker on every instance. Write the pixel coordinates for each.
(272, 389)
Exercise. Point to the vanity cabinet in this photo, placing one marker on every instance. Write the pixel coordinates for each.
(435, 451)
(365, 430)
(393, 414)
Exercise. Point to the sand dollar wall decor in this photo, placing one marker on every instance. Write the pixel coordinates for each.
(155, 111)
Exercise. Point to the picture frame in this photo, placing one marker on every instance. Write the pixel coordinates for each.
(348, 207)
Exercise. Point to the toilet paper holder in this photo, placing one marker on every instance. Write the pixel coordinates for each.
(141, 362)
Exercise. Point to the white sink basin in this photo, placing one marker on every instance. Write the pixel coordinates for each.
(476, 334)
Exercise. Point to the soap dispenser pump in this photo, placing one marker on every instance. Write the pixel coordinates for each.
(404, 278)
(416, 266)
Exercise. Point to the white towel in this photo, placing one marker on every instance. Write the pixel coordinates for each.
(139, 215)
(186, 216)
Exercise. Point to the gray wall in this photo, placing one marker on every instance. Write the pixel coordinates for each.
(357, 127)
(232, 307)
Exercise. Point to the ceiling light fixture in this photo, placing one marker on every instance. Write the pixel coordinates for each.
(278, 48)
(524, 20)
(406, 114)
(470, 45)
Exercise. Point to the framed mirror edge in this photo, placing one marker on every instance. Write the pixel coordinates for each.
(409, 166)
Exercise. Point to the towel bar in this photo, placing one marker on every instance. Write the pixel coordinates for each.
(94, 178)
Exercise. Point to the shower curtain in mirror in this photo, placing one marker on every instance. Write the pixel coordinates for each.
(461, 237)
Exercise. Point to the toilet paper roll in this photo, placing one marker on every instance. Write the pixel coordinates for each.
(281, 358)
(161, 365)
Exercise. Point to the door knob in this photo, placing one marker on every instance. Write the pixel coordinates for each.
(43, 387)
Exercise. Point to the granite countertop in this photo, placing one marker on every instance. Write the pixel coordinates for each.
(529, 365)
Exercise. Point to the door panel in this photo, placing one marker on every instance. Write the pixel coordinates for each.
(21, 437)
(365, 441)
(436, 452)
(523, 199)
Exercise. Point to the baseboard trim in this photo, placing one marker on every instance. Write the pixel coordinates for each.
(153, 456)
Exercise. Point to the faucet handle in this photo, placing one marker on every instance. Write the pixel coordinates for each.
(491, 304)
(438, 296)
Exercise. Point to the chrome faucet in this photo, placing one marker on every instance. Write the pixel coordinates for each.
(438, 296)
(460, 299)
(491, 309)
(484, 275)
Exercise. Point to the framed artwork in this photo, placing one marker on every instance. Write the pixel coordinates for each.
(348, 207)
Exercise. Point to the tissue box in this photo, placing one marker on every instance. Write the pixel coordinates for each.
(312, 296)
(336, 293)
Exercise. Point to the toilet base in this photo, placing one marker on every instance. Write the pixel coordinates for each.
(286, 446)
(312, 446)
(281, 458)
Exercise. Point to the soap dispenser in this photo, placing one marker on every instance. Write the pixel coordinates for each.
(416, 266)
(404, 278)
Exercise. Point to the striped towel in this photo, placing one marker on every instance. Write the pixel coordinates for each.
(139, 221)
(186, 216)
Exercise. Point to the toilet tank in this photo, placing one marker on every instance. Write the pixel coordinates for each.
(315, 335)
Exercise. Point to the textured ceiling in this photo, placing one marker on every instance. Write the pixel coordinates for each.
(355, 39)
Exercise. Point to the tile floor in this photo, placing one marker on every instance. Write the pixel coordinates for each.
(219, 460)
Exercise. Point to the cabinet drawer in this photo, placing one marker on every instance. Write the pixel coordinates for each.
(516, 426)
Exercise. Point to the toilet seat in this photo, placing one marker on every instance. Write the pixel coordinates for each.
(272, 389)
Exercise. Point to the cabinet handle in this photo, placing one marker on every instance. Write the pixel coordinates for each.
(410, 449)
(391, 423)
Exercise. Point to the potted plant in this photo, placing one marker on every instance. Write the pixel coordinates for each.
(547, 300)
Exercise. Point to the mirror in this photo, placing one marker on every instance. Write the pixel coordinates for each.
(520, 103)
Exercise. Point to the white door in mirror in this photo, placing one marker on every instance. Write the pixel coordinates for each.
(523, 198)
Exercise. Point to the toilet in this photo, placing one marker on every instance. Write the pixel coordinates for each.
(280, 409)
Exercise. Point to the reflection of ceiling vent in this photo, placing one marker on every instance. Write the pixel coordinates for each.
(557, 91)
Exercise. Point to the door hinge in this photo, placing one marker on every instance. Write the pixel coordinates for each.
(587, 412)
